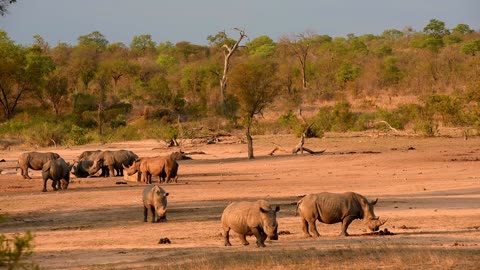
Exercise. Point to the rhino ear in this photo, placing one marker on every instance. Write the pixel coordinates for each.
(374, 202)
(277, 208)
(166, 194)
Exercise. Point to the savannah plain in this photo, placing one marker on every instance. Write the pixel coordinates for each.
(428, 188)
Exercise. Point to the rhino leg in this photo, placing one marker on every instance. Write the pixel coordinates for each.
(54, 185)
(145, 214)
(152, 211)
(44, 185)
(312, 227)
(345, 223)
(305, 228)
(226, 237)
(243, 239)
(25, 174)
(261, 236)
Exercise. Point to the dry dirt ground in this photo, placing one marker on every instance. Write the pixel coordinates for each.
(428, 188)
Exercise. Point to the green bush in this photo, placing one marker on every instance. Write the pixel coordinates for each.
(13, 253)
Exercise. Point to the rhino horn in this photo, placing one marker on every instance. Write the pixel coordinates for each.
(374, 202)
(123, 165)
(383, 222)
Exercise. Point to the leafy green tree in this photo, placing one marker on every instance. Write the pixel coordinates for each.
(471, 47)
(390, 72)
(84, 61)
(95, 38)
(436, 28)
(56, 90)
(392, 34)
(261, 46)
(347, 72)
(462, 29)
(22, 70)
(142, 44)
(255, 86)
(220, 39)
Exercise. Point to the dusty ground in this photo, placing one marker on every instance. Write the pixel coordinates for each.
(428, 188)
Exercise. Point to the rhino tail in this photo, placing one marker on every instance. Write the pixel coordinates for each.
(298, 204)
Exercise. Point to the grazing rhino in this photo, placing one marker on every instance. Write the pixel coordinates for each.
(165, 167)
(332, 208)
(34, 161)
(113, 160)
(59, 171)
(250, 218)
(155, 199)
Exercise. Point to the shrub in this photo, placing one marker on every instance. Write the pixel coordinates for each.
(13, 256)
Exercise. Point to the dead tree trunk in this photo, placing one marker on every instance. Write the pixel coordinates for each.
(226, 64)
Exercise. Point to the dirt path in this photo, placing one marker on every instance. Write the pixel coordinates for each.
(428, 188)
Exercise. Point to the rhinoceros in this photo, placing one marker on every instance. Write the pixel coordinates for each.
(34, 161)
(332, 208)
(58, 171)
(85, 161)
(165, 167)
(250, 218)
(89, 155)
(113, 160)
(155, 200)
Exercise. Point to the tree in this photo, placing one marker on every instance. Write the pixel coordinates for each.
(300, 45)
(142, 44)
(462, 29)
(95, 38)
(261, 46)
(22, 70)
(228, 52)
(55, 91)
(255, 85)
(4, 6)
(436, 29)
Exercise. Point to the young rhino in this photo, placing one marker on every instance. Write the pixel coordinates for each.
(250, 218)
(155, 199)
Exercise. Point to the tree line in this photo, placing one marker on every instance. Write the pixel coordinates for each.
(101, 85)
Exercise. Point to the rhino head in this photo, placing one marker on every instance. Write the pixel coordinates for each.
(133, 168)
(373, 222)
(96, 166)
(269, 220)
(160, 203)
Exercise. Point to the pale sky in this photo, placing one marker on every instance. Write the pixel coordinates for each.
(193, 20)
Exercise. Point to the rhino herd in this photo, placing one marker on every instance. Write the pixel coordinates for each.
(246, 218)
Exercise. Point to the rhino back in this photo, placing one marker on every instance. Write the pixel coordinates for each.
(334, 207)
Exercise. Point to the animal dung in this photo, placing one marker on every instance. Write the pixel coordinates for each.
(382, 232)
(164, 241)
(284, 232)
(120, 183)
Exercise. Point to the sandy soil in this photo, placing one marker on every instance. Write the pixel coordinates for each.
(429, 189)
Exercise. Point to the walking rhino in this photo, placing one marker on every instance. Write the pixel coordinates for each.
(58, 171)
(34, 161)
(155, 200)
(250, 218)
(332, 208)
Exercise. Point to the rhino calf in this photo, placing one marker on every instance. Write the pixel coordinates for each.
(155, 200)
(59, 171)
(250, 218)
(333, 208)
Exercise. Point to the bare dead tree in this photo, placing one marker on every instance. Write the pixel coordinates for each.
(228, 52)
